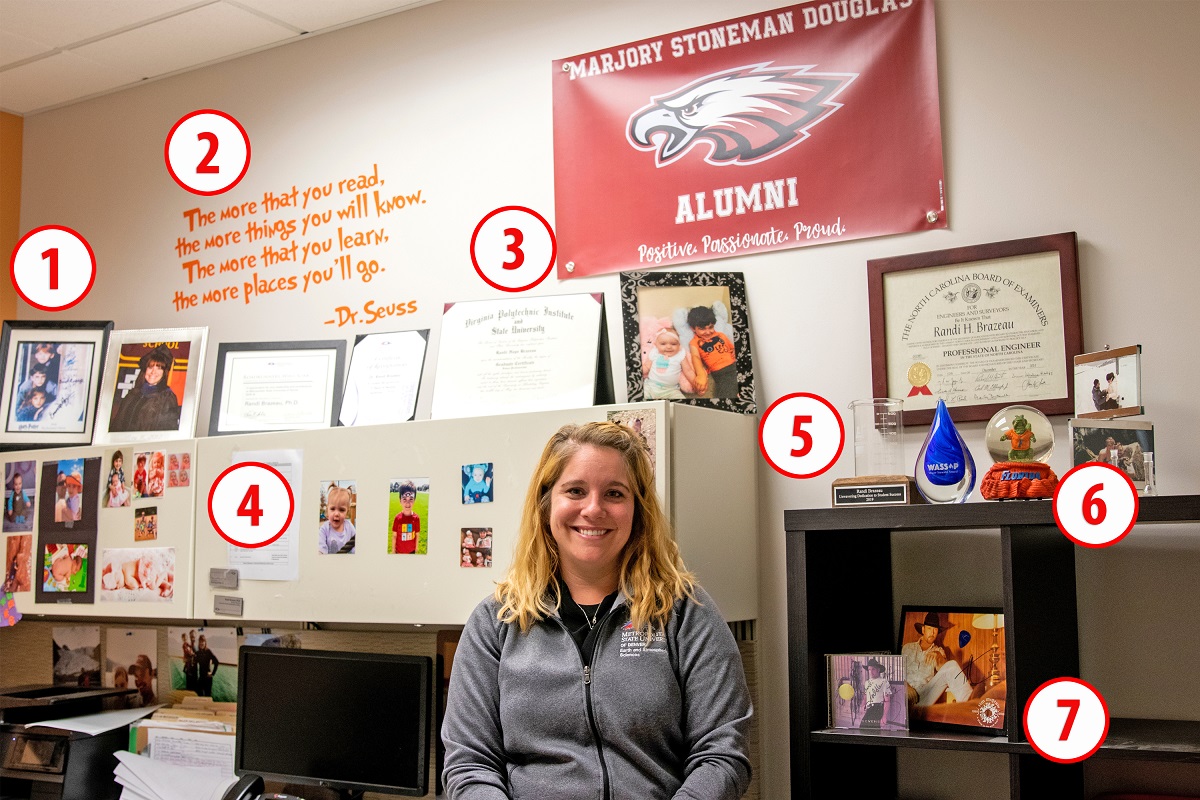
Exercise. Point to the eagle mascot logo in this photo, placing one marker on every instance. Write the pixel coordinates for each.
(745, 115)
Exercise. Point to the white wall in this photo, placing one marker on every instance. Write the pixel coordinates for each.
(1056, 116)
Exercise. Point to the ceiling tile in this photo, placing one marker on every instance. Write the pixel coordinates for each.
(62, 22)
(15, 48)
(314, 15)
(173, 44)
(57, 79)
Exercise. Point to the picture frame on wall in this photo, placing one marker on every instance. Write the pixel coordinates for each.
(954, 652)
(981, 327)
(151, 385)
(51, 382)
(277, 386)
(384, 378)
(666, 360)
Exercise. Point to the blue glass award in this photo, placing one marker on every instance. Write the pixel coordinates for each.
(945, 471)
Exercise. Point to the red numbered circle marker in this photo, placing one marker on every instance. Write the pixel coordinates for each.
(52, 267)
(1066, 720)
(1095, 505)
(251, 504)
(513, 248)
(801, 435)
(207, 152)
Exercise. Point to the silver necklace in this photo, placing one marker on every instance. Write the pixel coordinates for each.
(589, 619)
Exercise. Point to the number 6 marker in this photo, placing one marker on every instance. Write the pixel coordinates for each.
(1066, 720)
(251, 504)
(1095, 505)
(801, 435)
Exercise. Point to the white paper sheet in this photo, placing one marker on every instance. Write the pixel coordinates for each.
(148, 779)
(191, 748)
(93, 724)
(280, 560)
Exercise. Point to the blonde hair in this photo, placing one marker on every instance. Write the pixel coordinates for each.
(652, 575)
(334, 493)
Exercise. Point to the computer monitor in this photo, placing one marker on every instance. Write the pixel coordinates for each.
(353, 722)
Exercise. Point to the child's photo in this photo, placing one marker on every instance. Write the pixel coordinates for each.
(145, 575)
(18, 563)
(116, 496)
(173, 461)
(643, 422)
(19, 491)
(77, 656)
(476, 546)
(477, 483)
(687, 339)
(408, 509)
(149, 474)
(145, 524)
(339, 509)
(68, 496)
(65, 568)
(50, 386)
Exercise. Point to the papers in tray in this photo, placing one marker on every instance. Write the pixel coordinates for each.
(146, 779)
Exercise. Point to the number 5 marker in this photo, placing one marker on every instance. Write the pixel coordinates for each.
(1095, 505)
(801, 435)
(251, 504)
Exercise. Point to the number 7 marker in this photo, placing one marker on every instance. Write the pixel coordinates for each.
(1070, 737)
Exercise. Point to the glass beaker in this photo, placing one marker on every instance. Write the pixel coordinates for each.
(878, 430)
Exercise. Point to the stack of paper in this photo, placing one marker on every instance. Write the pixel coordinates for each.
(147, 779)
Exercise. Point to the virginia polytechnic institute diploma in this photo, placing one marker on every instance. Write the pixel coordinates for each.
(988, 331)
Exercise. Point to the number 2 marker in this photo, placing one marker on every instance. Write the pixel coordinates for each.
(207, 152)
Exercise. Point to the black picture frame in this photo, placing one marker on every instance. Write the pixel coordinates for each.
(691, 289)
(981, 660)
(80, 346)
(330, 354)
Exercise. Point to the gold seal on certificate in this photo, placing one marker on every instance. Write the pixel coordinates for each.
(919, 375)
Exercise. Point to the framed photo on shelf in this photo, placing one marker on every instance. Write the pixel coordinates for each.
(954, 664)
(1108, 383)
(687, 339)
(151, 385)
(51, 382)
(867, 691)
(1120, 442)
(981, 327)
(384, 378)
(276, 386)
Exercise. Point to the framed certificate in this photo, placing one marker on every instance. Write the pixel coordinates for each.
(384, 377)
(523, 354)
(151, 385)
(981, 327)
(276, 386)
(51, 382)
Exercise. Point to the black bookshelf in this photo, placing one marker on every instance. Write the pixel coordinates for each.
(1038, 565)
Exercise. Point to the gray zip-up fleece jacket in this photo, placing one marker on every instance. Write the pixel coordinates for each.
(525, 720)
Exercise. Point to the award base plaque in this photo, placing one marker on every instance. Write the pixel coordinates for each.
(1018, 480)
(875, 490)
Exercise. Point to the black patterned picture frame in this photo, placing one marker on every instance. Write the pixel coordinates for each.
(654, 301)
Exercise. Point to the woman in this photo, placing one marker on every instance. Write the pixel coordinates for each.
(599, 668)
(151, 404)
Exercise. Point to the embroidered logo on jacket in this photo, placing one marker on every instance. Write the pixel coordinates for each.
(633, 642)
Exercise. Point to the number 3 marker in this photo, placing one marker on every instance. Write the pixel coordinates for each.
(513, 248)
(207, 152)
(1095, 505)
(801, 435)
(1066, 720)
(251, 504)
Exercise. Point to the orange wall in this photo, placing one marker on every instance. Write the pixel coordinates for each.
(11, 135)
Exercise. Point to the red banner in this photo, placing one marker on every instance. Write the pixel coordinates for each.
(788, 128)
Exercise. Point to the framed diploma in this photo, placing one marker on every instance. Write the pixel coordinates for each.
(981, 327)
(51, 382)
(276, 386)
(385, 374)
(522, 354)
(151, 387)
